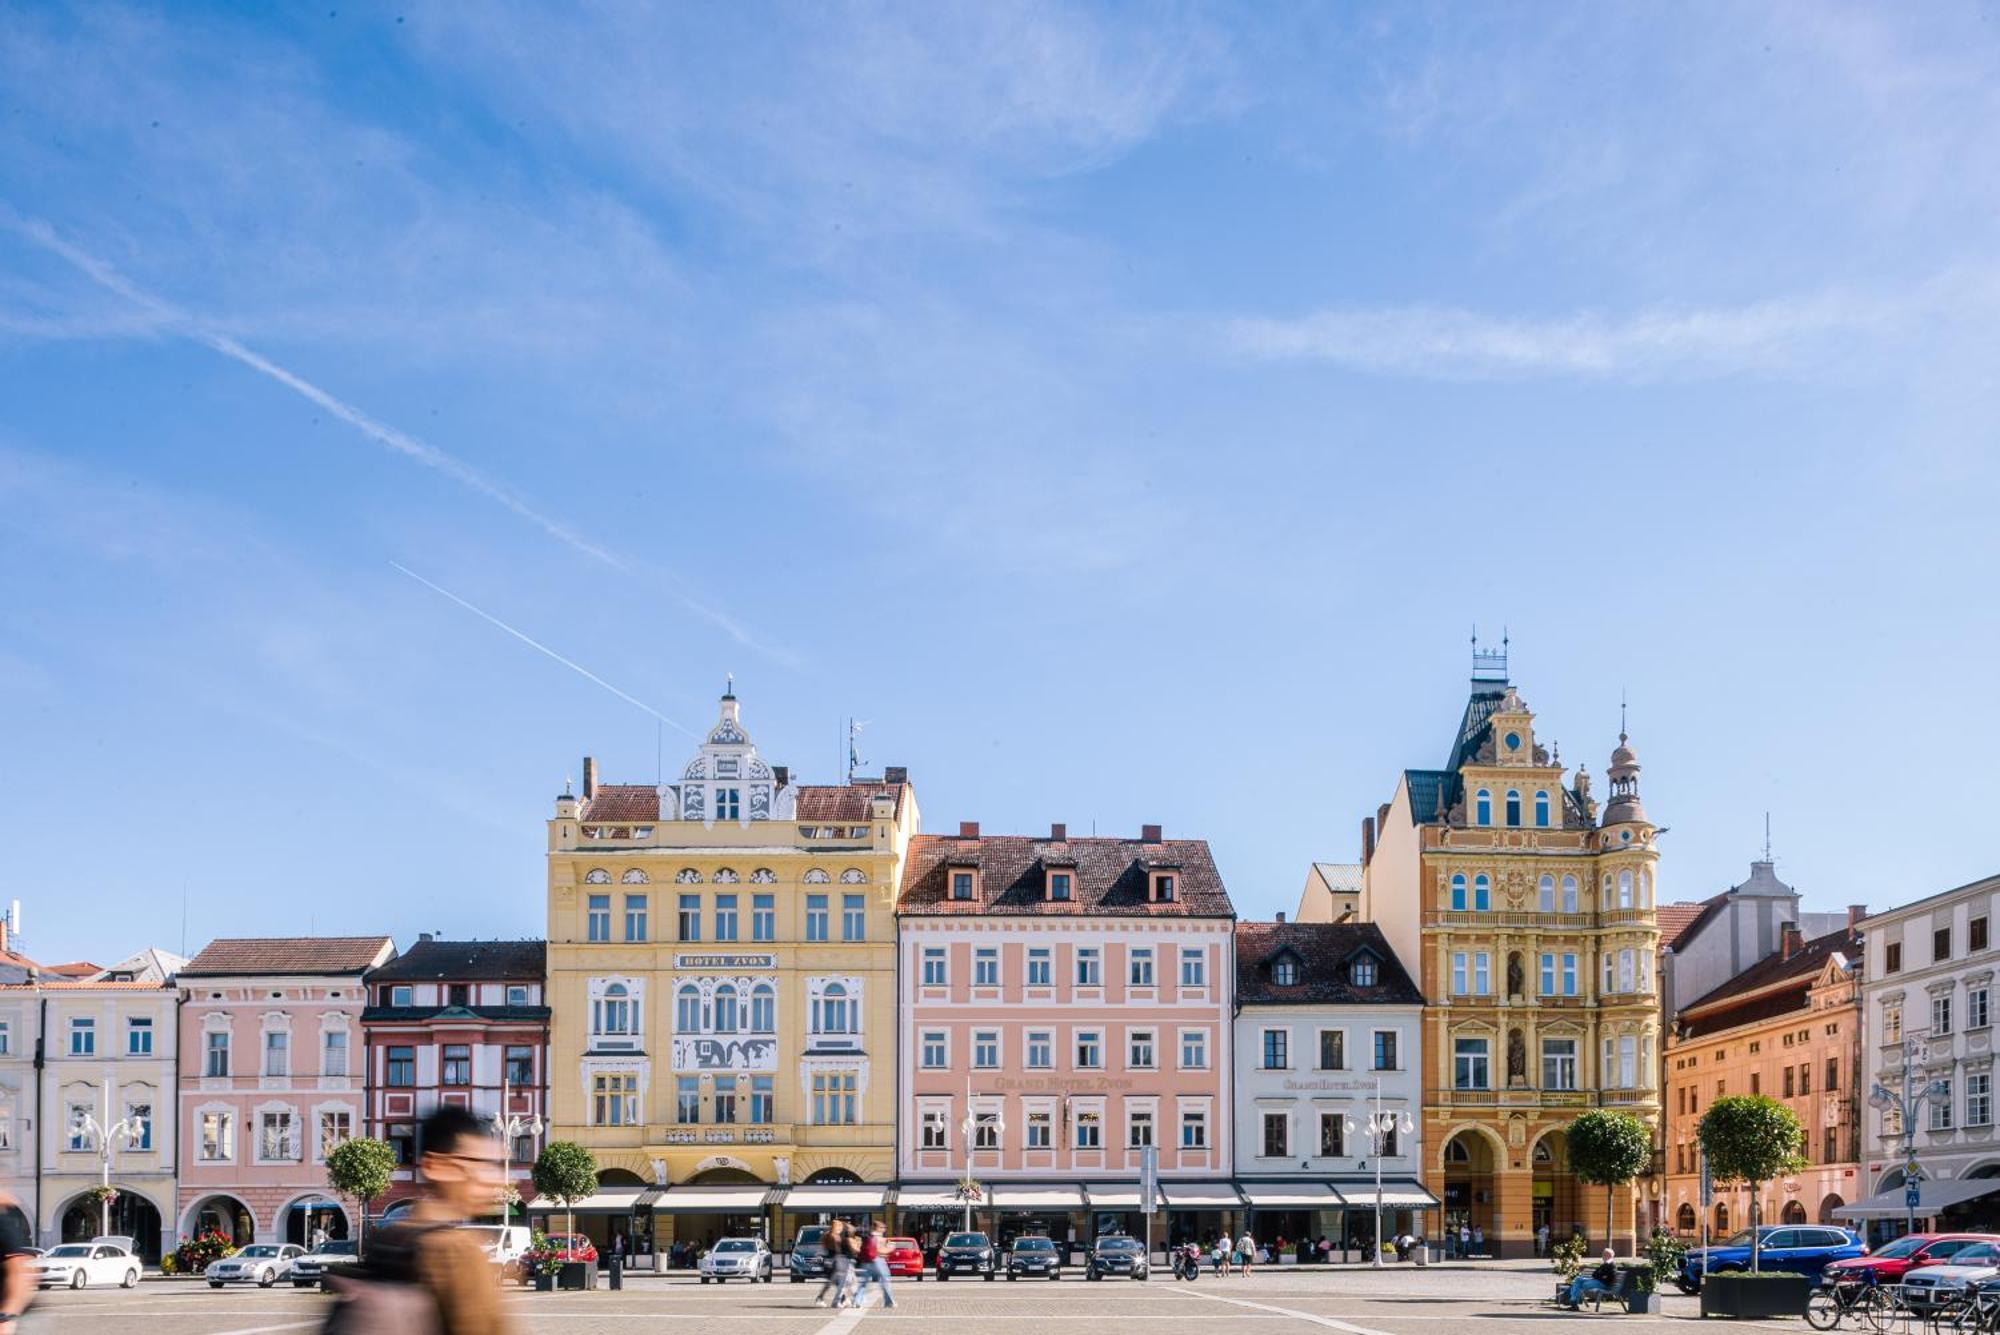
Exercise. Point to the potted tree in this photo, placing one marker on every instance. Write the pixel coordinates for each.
(1751, 1138)
(360, 1168)
(566, 1172)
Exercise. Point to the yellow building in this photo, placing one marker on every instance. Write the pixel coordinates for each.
(721, 968)
(1527, 917)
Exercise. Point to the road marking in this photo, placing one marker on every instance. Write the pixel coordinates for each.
(1281, 1311)
(846, 1321)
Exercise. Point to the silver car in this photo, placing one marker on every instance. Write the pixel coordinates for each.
(737, 1258)
(262, 1264)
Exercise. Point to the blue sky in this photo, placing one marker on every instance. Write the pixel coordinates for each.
(1128, 411)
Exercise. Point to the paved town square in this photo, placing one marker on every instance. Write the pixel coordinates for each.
(1396, 1300)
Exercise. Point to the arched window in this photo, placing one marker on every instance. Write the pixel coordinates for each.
(1605, 901)
(1482, 807)
(597, 876)
(1542, 809)
(1722, 1217)
(1545, 894)
(1625, 889)
(1482, 894)
(687, 1009)
(1513, 806)
(1456, 1152)
(832, 1011)
(1569, 894)
(1458, 893)
(725, 1009)
(1645, 888)
(634, 876)
(614, 1011)
(1684, 1218)
(763, 1010)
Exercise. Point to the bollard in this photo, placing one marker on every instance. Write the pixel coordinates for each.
(1423, 1254)
(617, 1272)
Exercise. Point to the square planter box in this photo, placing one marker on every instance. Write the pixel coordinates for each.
(1647, 1304)
(583, 1275)
(545, 1283)
(1741, 1295)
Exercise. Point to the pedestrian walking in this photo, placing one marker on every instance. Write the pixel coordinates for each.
(1218, 1255)
(1464, 1241)
(839, 1264)
(1479, 1240)
(1542, 1240)
(17, 1280)
(874, 1266)
(1246, 1252)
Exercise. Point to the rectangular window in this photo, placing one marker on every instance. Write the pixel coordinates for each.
(1089, 1050)
(218, 1137)
(1087, 971)
(82, 1037)
(763, 1099)
(728, 803)
(1194, 1130)
(833, 1095)
(1892, 957)
(457, 1069)
(1194, 967)
(518, 993)
(961, 885)
(932, 1135)
(986, 1049)
(401, 1071)
(1978, 1098)
(763, 917)
(459, 994)
(277, 1052)
(1332, 1139)
(520, 1064)
(1548, 975)
(1141, 970)
(986, 967)
(1569, 975)
(1089, 1131)
(725, 917)
(277, 1142)
(1790, 1091)
(1039, 972)
(139, 1036)
(1059, 883)
(598, 918)
(1469, 1064)
(6, 1032)
(934, 966)
(1194, 1050)
(1385, 1050)
(1138, 1129)
(689, 924)
(1975, 938)
(333, 1053)
(614, 1098)
(1041, 1050)
(1277, 1136)
(854, 917)
(687, 1099)
(816, 917)
(934, 1050)
(1975, 1008)
(1277, 1043)
(1941, 944)
(1805, 1078)
(140, 1115)
(216, 1050)
(1139, 1050)
(725, 1102)
(1892, 1024)
(334, 1127)
(1558, 1063)
(1832, 1152)
(1040, 1125)
(1940, 1106)
(1390, 1147)
(1333, 1049)
(1833, 1075)
(1940, 1015)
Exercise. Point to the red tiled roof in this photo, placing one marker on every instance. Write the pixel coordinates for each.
(1675, 919)
(85, 985)
(844, 802)
(1111, 876)
(73, 969)
(623, 802)
(290, 954)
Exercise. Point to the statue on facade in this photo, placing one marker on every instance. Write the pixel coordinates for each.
(1517, 1058)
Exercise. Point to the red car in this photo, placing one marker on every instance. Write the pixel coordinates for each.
(569, 1247)
(905, 1258)
(1892, 1259)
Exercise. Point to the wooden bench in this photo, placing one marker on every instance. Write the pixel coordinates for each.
(1627, 1285)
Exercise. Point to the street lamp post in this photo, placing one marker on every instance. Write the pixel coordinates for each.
(512, 1126)
(104, 1136)
(1906, 1103)
(969, 1128)
(1378, 1124)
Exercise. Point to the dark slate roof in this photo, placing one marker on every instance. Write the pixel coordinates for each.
(415, 1014)
(1111, 876)
(1791, 978)
(289, 955)
(1426, 786)
(1324, 950)
(1473, 728)
(466, 962)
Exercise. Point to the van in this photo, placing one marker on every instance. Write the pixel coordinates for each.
(504, 1244)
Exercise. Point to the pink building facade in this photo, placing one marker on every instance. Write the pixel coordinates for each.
(271, 1079)
(1065, 1004)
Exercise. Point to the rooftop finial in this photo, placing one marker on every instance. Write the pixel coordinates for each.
(1489, 664)
(1621, 716)
(729, 686)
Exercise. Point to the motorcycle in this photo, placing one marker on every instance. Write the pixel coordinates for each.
(1187, 1262)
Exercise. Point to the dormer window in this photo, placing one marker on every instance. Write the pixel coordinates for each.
(1361, 972)
(1285, 971)
(1165, 886)
(1059, 884)
(962, 884)
(402, 995)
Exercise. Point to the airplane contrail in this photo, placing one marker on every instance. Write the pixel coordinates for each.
(536, 644)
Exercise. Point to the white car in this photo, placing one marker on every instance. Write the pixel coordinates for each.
(81, 1264)
(504, 1244)
(1942, 1285)
(262, 1264)
(737, 1258)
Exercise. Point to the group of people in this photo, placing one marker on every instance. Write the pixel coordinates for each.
(1240, 1256)
(859, 1258)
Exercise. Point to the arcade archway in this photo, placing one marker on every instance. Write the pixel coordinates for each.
(132, 1216)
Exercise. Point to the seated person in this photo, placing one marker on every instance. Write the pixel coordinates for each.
(1604, 1279)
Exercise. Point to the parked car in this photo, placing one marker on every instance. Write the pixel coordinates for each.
(1803, 1249)
(310, 1269)
(1925, 1287)
(81, 1264)
(737, 1258)
(568, 1247)
(1034, 1257)
(262, 1264)
(1116, 1254)
(966, 1254)
(905, 1258)
(809, 1259)
(504, 1244)
(1888, 1263)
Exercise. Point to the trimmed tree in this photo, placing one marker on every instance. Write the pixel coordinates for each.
(1751, 1138)
(565, 1172)
(1608, 1149)
(360, 1168)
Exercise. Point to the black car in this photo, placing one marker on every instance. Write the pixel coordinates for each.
(1116, 1255)
(809, 1256)
(966, 1254)
(1034, 1256)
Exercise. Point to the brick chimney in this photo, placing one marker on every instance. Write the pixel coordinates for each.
(895, 774)
(1855, 913)
(1789, 940)
(1149, 834)
(968, 829)
(1281, 918)
(1367, 840)
(589, 777)
(1058, 833)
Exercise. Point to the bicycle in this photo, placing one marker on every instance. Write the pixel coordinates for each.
(1831, 1303)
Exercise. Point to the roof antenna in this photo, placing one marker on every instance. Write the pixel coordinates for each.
(1767, 836)
(1621, 715)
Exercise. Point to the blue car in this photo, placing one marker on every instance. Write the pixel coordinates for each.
(1802, 1249)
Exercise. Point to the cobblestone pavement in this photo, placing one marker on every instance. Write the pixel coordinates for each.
(1497, 1299)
